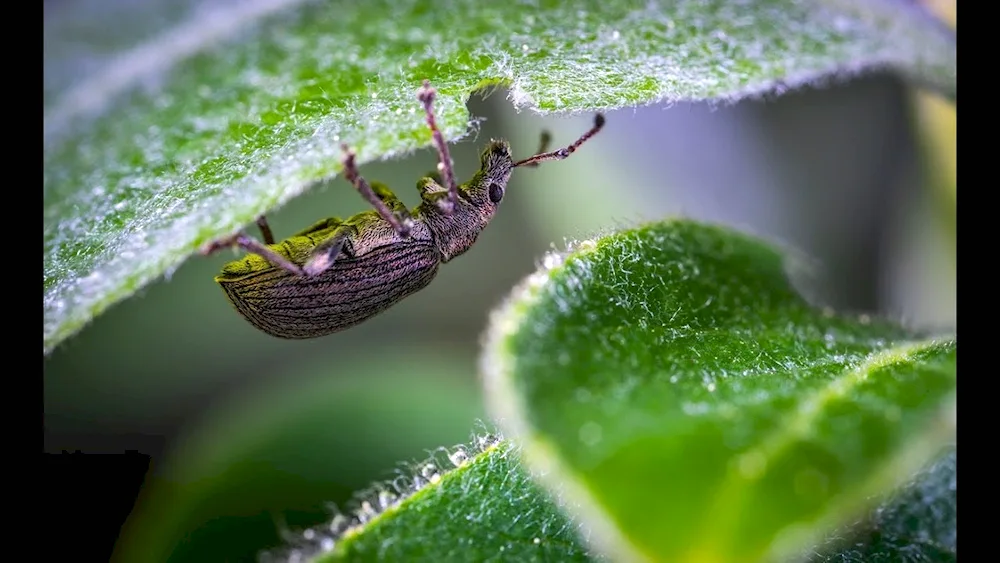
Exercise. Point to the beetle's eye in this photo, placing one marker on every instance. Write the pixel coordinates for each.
(496, 193)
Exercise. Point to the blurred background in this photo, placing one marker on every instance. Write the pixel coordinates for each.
(246, 431)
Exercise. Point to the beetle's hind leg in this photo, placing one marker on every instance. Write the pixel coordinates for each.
(251, 244)
(322, 257)
(354, 177)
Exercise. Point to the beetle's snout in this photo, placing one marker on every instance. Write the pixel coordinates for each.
(496, 150)
(496, 156)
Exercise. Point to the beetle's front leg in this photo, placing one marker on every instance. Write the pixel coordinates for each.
(426, 96)
(323, 256)
(251, 244)
(366, 191)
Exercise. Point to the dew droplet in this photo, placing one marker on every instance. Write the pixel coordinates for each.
(458, 457)
(366, 512)
(386, 499)
(338, 523)
(551, 260)
(427, 470)
(829, 339)
(487, 441)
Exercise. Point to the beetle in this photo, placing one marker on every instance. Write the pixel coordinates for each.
(338, 273)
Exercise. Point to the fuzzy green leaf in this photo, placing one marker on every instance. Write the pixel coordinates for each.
(917, 523)
(162, 146)
(698, 407)
(485, 507)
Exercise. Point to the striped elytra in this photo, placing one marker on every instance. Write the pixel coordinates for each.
(350, 291)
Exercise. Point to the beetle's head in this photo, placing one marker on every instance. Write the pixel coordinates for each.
(487, 188)
(481, 196)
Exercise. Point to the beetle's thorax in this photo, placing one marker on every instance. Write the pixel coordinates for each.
(478, 201)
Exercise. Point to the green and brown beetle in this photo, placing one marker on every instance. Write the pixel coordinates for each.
(338, 273)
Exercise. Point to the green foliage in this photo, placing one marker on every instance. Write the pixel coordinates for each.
(165, 145)
(916, 523)
(485, 508)
(468, 520)
(674, 391)
(674, 379)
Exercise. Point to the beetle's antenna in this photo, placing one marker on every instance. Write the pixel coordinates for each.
(563, 153)
(542, 146)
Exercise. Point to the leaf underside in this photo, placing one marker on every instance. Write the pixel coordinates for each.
(165, 145)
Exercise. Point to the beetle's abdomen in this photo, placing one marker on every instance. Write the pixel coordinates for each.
(349, 292)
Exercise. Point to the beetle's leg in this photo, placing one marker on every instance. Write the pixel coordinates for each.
(251, 244)
(432, 192)
(265, 230)
(426, 96)
(383, 192)
(429, 185)
(322, 257)
(354, 177)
